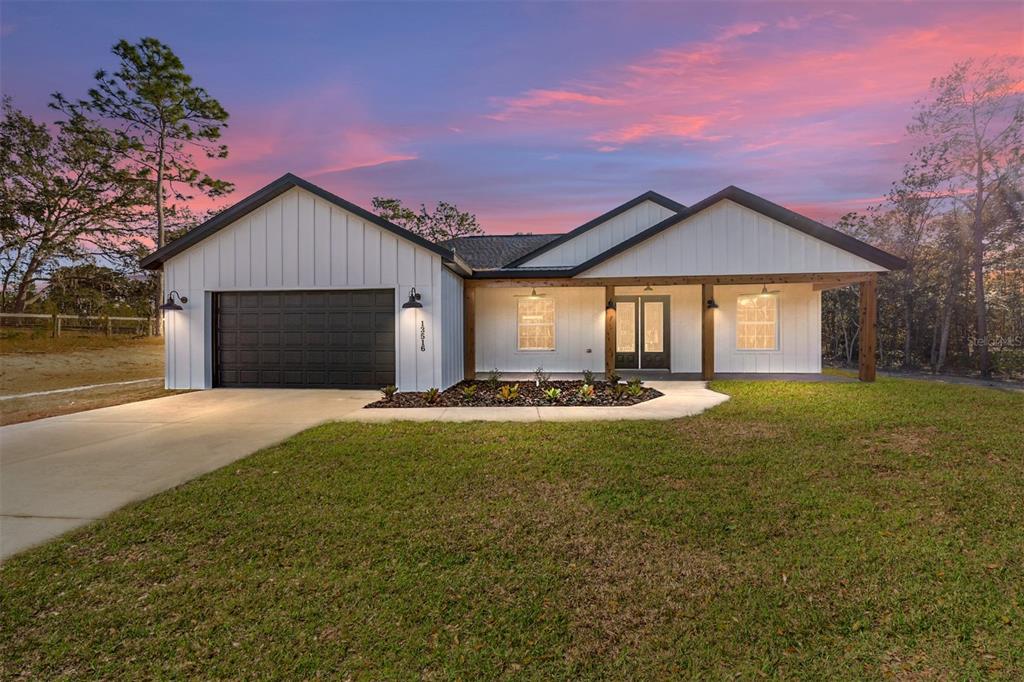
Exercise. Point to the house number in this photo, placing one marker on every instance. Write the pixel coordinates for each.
(423, 336)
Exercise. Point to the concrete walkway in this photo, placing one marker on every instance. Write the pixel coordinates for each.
(63, 472)
(681, 399)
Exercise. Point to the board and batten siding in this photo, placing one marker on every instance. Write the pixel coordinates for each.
(452, 359)
(298, 241)
(799, 348)
(729, 239)
(579, 331)
(602, 237)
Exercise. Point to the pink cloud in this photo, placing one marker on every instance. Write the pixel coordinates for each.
(565, 100)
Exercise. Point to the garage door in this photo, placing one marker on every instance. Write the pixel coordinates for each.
(300, 339)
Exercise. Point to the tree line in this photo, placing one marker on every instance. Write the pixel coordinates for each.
(956, 216)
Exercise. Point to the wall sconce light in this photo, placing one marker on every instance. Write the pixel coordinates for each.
(610, 305)
(414, 299)
(711, 304)
(171, 305)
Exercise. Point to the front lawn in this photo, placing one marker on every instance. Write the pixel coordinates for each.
(798, 531)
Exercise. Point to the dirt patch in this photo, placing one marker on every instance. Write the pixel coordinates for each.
(527, 394)
(37, 407)
(707, 432)
(908, 440)
(32, 371)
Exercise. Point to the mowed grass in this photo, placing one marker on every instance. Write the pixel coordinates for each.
(797, 531)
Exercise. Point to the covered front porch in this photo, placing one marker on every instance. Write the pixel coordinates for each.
(660, 328)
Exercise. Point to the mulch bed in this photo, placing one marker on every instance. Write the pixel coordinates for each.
(529, 395)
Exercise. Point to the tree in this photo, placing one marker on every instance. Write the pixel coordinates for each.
(63, 198)
(446, 221)
(90, 289)
(161, 118)
(971, 133)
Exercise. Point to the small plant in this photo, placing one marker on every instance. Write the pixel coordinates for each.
(508, 393)
(494, 378)
(389, 392)
(612, 377)
(553, 394)
(635, 381)
(587, 393)
(540, 376)
(618, 391)
(431, 395)
(469, 392)
(588, 377)
(635, 390)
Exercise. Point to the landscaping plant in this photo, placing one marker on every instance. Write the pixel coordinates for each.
(508, 393)
(540, 376)
(389, 392)
(588, 377)
(553, 394)
(431, 395)
(587, 393)
(469, 392)
(612, 377)
(634, 390)
(494, 378)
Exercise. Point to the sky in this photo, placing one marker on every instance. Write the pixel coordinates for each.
(538, 116)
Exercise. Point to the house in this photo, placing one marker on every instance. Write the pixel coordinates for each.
(294, 287)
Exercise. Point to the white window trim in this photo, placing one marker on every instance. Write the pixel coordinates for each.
(778, 325)
(554, 331)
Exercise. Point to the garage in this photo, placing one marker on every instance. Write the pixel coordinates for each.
(304, 339)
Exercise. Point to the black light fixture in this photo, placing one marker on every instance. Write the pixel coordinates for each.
(610, 305)
(414, 300)
(711, 304)
(171, 305)
(648, 288)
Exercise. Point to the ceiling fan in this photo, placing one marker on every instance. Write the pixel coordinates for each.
(765, 292)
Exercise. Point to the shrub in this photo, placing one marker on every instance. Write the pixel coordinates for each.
(618, 391)
(540, 376)
(588, 377)
(508, 393)
(635, 390)
(635, 381)
(469, 392)
(587, 393)
(553, 394)
(612, 377)
(389, 392)
(494, 378)
(431, 395)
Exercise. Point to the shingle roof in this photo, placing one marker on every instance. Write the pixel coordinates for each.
(484, 252)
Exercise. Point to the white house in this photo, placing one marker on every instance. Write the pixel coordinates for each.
(296, 287)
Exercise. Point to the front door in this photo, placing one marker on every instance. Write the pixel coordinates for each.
(642, 332)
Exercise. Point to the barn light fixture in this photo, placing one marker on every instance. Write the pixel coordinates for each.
(171, 305)
(610, 305)
(414, 299)
(711, 304)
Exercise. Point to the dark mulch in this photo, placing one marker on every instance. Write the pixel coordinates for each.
(529, 395)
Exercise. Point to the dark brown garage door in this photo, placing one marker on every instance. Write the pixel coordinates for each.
(305, 339)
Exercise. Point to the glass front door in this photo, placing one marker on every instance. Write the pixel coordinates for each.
(642, 332)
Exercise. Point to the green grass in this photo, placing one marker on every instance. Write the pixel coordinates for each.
(797, 531)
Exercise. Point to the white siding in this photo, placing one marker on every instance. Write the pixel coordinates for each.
(729, 239)
(579, 331)
(603, 236)
(299, 241)
(453, 358)
(799, 331)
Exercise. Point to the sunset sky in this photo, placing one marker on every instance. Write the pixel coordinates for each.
(538, 116)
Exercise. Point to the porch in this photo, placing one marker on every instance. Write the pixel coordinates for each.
(624, 300)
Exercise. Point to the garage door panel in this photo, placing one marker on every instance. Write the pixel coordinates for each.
(305, 338)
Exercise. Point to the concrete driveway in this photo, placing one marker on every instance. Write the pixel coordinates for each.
(63, 472)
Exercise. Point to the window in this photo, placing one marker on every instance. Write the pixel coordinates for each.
(625, 327)
(757, 322)
(536, 322)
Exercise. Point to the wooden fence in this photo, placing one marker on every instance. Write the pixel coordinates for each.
(56, 324)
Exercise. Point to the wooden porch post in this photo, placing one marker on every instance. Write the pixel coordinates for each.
(468, 331)
(707, 333)
(609, 331)
(868, 327)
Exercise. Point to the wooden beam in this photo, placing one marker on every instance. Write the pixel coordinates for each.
(609, 331)
(826, 286)
(838, 278)
(469, 332)
(707, 334)
(868, 327)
